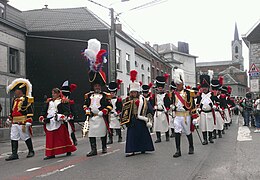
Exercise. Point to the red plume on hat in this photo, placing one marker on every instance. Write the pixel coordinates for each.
(133, 75)
(166, 77)
(229, 89)
(119, 82)
(188, 87)
(150, 84)
(221, 80)
(73, 87)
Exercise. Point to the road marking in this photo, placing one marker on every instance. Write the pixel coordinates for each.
(243, 133)
(60, 160)
(33, 169)
(56, 171)
(110, 152)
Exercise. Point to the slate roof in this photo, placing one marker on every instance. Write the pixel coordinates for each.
(14, 18)
(67, 19)
(214, 63)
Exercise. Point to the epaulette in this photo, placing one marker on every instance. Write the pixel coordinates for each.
(108, 95)
(30, 99)
(87, 94)
(192, 92)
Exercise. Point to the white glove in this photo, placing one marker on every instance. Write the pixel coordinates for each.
(155, 107)
(195, 122)
(149, 125)
(60, 117)
(28, 124)
(172, 106)
(100, 113)
(214, 107)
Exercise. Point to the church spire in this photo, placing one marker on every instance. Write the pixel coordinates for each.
(236, 37)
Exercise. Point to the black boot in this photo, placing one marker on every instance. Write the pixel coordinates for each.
(219, 134)
(104, 144)
(178, 145)
(30, 148)
(191, 147)
(173, 134)
(223, 131)
(119, 135)
(167, 135)
(205, 142)
(214, 134)
(226, 125)
(210, 137)
(110, 136)
(158, 135)
(74, 139)
(93, 145)
(14, 154)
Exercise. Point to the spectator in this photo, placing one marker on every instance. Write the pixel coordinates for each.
(257, 114)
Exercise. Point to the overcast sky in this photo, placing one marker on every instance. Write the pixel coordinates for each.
(207, 25)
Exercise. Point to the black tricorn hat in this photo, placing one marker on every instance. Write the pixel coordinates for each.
(112, 87)
(97, 78)
(160, 81)
(145, 88)
(205, 80)
(215, 85)
(224, 89)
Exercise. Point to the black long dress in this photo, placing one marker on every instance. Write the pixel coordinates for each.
(138, 138)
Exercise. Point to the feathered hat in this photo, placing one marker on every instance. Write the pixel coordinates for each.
(134, 86)
(161, 80)
(146, 88)
(22, 84)
(67, 88)
(96, 58)
(205, 80)
(178, 76)
(229, 89)
(114, 86)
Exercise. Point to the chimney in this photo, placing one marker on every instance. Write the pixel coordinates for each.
(119, 27)
(183, 47)
(156, 47)
(147, 43)
(46, 6)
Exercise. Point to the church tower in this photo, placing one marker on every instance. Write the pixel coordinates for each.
(237, 50)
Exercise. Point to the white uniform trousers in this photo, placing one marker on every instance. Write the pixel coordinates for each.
(206, 121)
(17, 132)
(182, 124)
(219, 121)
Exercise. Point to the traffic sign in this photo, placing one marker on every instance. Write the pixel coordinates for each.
(253, 69)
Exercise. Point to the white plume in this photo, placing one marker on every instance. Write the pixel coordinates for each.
(21, 80)
(94, 45)
(178, 76)
(210, 73)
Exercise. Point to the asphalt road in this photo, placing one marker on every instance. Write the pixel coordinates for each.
(235, 156)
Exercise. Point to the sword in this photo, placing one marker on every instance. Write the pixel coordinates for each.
(198, 134)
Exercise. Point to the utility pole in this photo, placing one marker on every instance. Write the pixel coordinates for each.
(112, 60)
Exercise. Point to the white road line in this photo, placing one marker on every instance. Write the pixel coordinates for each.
(56, 171)
(60, 160)
(33, 169)
(110, 152)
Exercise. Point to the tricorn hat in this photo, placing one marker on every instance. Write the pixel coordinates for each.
(22, 84)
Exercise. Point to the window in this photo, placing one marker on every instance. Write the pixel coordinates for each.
(13, 61)
(2, 10)
(161, 72)
(121, 92)
(136, 64)
(149, 79)
(118, 59)
(236, 49)
(127, 58)
(158, 72)
(143, 78)
(142, 67)
(148, 69)
(153, 72)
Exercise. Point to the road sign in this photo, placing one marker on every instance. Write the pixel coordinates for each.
(254, 85)
(253, 69)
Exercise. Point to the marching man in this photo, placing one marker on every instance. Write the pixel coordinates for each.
(161, 104)
(97, 104)
(207, 113)
(21, 116)
(183, 102)
(114, 115)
